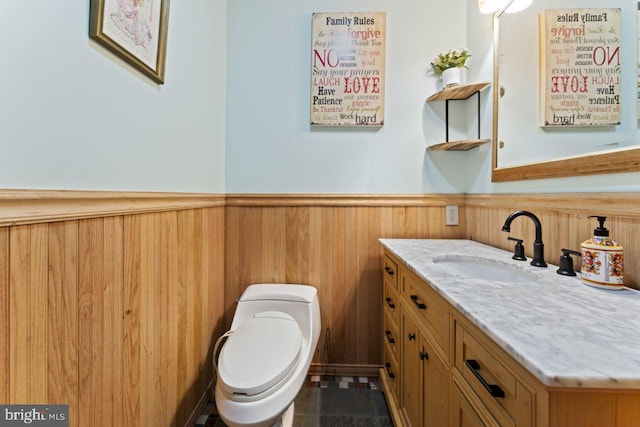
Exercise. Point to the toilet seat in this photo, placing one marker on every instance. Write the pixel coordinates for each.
(259, 354)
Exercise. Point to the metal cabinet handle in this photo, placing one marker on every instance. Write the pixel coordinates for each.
(387, 365)
(420, 305)
(424, 355)
(389, 338)
(412, 337)
(389, 270)
(493, 389)
(390, 303)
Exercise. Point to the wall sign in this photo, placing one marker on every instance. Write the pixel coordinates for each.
(348, 68)
(580, 67)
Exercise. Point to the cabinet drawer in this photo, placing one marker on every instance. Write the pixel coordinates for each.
(391, 304)
(508, 400)
(428, 305)
(390, 271)
(391, 369)
(391, 337)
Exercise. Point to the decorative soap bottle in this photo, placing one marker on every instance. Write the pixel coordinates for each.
(602, 259)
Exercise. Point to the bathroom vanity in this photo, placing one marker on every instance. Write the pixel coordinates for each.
(474, 338)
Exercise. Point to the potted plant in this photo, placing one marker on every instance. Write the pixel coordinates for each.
(450, 65)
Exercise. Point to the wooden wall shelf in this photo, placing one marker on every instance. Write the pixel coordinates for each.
(463, 145)
(458, 92)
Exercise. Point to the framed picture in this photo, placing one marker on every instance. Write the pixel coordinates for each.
(348, 51)
(135, 30)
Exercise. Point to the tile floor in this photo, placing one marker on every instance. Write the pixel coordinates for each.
(329, 401)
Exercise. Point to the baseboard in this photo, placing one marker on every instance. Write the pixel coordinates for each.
(344, 370)
(199, 409)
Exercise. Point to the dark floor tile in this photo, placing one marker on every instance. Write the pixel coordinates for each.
(379, 403)
(305, 420)
(353, 401)
(347, 421)
(307, 401)
(384, 422)
(350, 401)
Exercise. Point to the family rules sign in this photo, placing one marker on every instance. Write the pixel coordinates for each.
(580, 67)
(348, 68)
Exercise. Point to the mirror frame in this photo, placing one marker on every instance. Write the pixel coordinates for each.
(615, 161)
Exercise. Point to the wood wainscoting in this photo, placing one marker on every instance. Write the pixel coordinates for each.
(565, 223)
(330, 242)
(109, 302)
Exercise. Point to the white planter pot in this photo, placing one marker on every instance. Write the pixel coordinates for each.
(452, 76)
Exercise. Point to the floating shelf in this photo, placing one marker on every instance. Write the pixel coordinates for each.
(462, 145)
(458, 92)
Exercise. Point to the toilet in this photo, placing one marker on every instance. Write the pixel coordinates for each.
(263, 363)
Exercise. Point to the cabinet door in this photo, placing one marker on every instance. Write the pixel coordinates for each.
(425, 389)
(464, 415)
(435, 387)
(411, 372)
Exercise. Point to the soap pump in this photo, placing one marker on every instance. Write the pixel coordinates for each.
(602, 259)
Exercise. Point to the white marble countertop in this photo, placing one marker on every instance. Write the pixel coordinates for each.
(565, 333)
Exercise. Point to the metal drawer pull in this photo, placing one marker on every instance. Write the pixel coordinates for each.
(389, 270)
(387, 365)
(388, 334)
(390, 303)
(412, 337)
(493, 389)
(420, 305)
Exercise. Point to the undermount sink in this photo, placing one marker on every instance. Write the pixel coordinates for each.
(485, 268)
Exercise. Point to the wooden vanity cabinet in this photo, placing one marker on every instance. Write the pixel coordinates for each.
(425, 375)
(416, 371)
(448, 372)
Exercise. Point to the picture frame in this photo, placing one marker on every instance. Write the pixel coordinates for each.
(348, 61)
(135, 30)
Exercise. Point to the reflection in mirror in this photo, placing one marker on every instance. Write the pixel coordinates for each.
(523, 149)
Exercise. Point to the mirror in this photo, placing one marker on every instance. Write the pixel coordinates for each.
(522, 149)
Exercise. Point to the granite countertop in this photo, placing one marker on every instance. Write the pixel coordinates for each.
(565, 333)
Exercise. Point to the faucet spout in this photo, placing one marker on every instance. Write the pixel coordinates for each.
(538, 246)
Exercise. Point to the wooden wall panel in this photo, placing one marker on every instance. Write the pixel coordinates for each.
(4, 315)
(113, 315)
(114, 310)
(332, 244)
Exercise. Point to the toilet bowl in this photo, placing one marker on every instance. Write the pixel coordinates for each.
(263, 363)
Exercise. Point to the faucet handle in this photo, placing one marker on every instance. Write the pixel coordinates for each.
(518, 249)
(566, 262)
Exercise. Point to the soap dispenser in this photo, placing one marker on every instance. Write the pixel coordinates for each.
(602, 259)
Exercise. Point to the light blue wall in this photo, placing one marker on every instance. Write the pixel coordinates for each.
(73, 116)
(270, 146)
(233, 115)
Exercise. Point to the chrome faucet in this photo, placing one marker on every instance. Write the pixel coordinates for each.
(538, 246)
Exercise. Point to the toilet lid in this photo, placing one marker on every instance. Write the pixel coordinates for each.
(259, 353)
